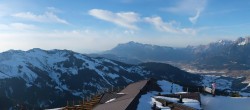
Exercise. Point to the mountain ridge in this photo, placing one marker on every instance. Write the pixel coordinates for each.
(225, 53)
(48, 78)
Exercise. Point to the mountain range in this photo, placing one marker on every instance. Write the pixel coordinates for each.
(223, 54)
(39, 79)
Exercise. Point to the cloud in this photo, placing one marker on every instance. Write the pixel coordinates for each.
(190, 7)
(17, 26)
(22, 26)
(170, 27)
(48, 17)
(194, 18)
(124, 19)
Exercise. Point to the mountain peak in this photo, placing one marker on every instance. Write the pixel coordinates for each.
(243, 41)
(132, 42)
(222, 42)
(36, 49)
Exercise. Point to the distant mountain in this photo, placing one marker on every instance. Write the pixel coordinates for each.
(223, 54)
(234, 55)
(38, 79)
(147, 52)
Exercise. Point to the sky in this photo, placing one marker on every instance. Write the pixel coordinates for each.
(88, 26)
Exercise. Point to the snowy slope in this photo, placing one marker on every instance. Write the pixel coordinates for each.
(53, 73)
(48, 78)
(19, 63)
(147, 100)
(208, 101)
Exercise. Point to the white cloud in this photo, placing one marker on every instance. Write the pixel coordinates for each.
(171, 27)
(46, 17)
(22, 26)
(191, 7)
(194, 18)
(124, 19)
(17, 26)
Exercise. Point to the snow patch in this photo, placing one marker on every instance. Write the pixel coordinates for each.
(113, 75)
(224, 103)
(167, 86)
(110, 100)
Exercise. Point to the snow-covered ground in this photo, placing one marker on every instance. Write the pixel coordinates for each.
(188, 102)
(208, 102)
(225, 103)
(166, 86)
(146, 101)
(221, 82)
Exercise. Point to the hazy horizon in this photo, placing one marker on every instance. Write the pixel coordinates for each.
(94, 26)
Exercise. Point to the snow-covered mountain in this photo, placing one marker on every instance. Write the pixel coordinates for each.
(43, 79)
(39, 78)
(223, 54)
(232, 55)
(147, 52)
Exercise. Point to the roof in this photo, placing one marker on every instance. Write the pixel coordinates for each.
(122, 102)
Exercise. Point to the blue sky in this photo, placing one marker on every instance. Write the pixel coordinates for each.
(93, 25)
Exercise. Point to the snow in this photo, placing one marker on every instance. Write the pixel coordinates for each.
(245, 88)
(120, 93)
(92, 65)
(242, 43)
(188, 102)
(127, 80)
(208, 102)
(166, 87)
(113, 75)
(109, 61)
(225, 103)
(221, 82)
(110, 100)
(145, 102)
(3, 75)
(73, 70)
(77, 93)
(159, 104)
(245, 94)
(137, 69)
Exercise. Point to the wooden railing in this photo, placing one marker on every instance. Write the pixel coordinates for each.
(89, 102)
